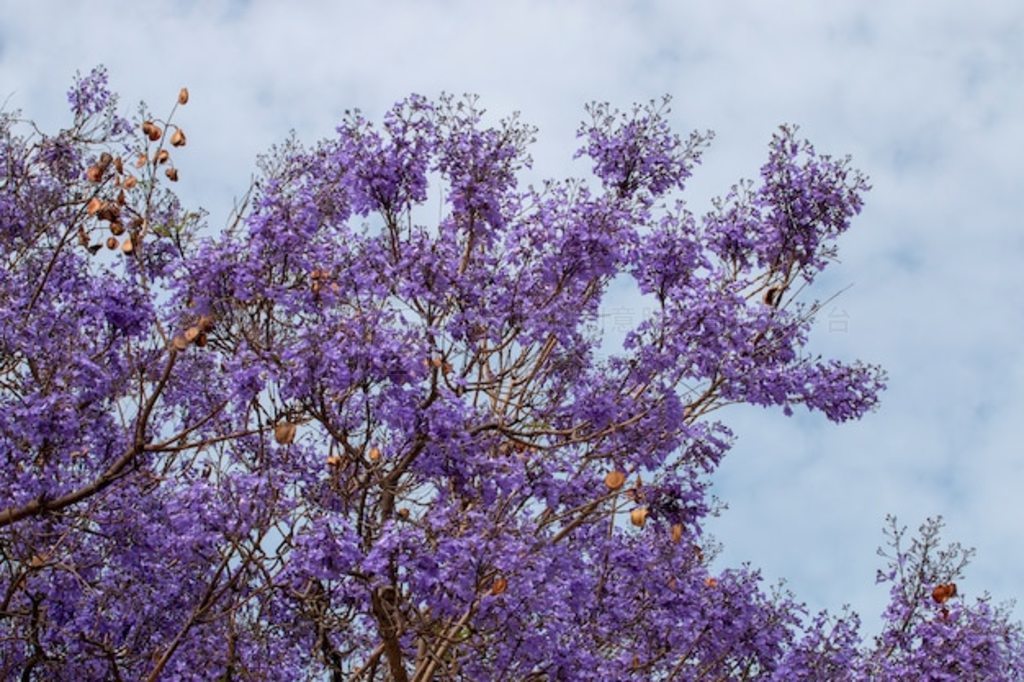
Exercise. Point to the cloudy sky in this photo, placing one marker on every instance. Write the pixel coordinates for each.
(927, 96)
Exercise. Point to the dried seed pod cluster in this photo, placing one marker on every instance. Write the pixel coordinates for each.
(154, 133)
(109, 210)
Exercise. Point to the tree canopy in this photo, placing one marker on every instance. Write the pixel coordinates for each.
(337, 439)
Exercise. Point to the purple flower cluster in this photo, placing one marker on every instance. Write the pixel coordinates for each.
(334, 441)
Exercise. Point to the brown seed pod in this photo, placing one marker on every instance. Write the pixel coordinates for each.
(201, 340)
(183, 96)
(710, 582)
(119, 165)
(94, 174)
(129, 182)
(172, 173)
(162, 156)
(109, 211)
(638, 517)
(772, 296)
(677, 532)
(436, 362)
(127, 247)
(499, 586)
(614, 480)
(141, 160)
(374, 454)
(333, 460)
(152, 131)
(112, 243)
(105, 160)
(192, 333)
(205, 322)
(121, 201)
(94, 205)
(179, 342)
(943, 592)
(178, 138)
(284, 432)
(116, 228)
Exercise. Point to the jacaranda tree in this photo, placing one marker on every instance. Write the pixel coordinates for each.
(370, 431)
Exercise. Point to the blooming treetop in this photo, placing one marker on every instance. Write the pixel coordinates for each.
(335, 439)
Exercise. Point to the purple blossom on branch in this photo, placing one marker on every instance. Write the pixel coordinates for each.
(333, 441)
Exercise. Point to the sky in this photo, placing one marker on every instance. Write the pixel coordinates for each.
(926, 96)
